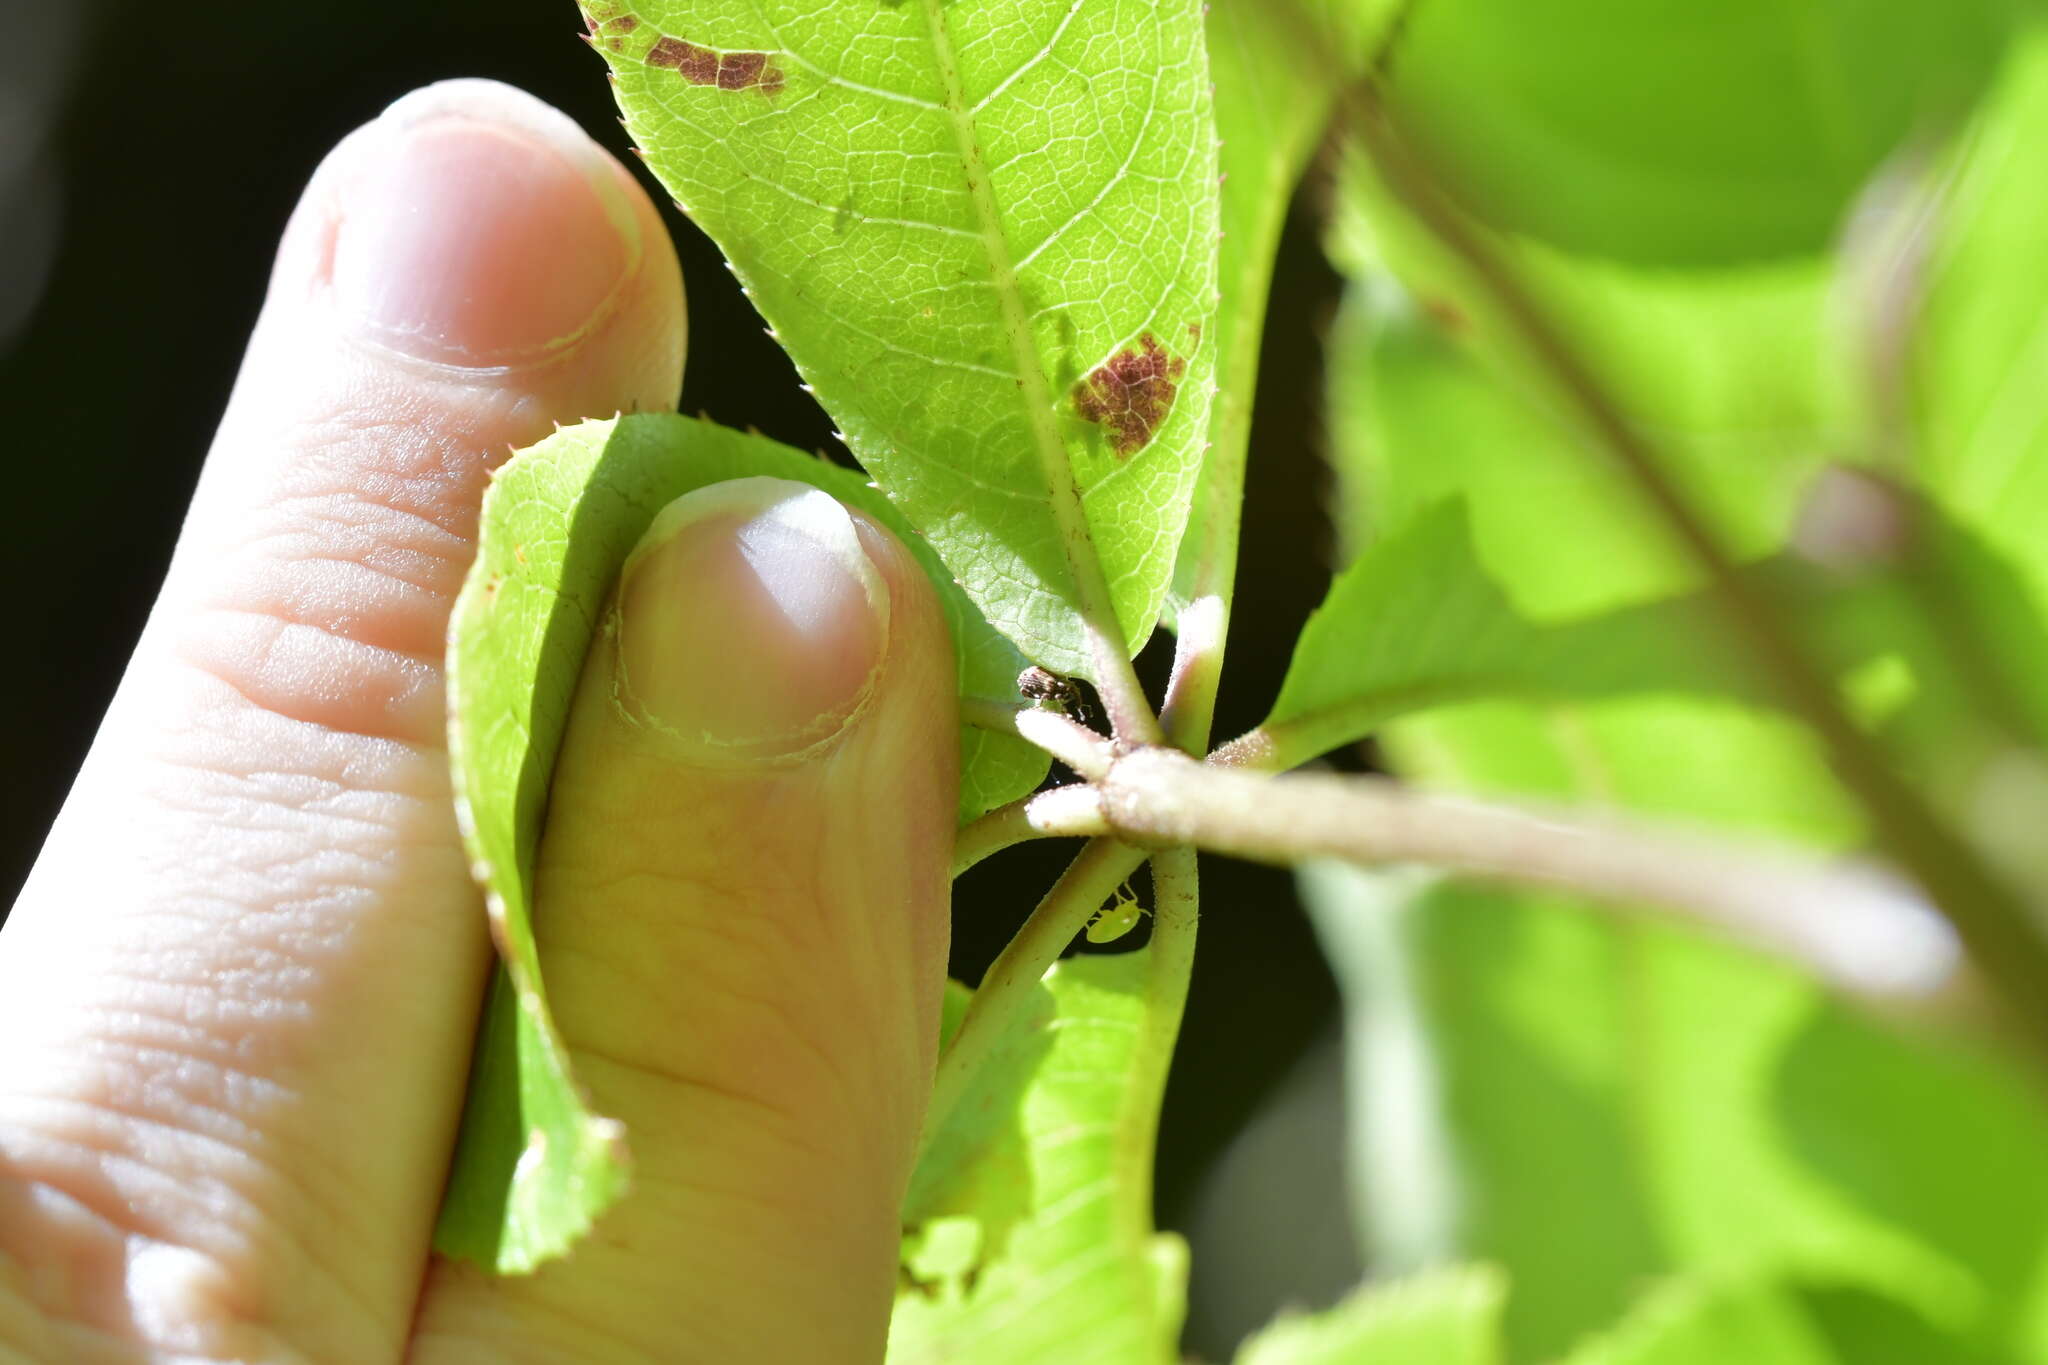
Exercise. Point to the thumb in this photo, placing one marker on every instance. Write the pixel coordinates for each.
(742, 911)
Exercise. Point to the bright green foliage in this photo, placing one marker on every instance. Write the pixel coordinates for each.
(1449, 1317)
(974, 224)
(1428, 403)
(1613, 1102)
(1048, 1159)
(1730, 370)
(1609, 1102)
(1278, 66)
(534, 1165)
(1417, 622)
(1708, 1321)
(1981, 407)
(1670, 132)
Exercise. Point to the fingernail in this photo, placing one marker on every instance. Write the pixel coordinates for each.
(751, 622)
(481, 229)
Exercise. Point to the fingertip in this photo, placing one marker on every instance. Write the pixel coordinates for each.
(473, 231)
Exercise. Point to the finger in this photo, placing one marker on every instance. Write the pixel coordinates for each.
(239, 988)
(743, 915)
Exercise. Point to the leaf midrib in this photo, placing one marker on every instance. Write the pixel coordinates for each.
(1094, 602)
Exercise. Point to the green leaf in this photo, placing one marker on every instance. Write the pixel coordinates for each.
(1613, 1101)
(1715, 1320)
(1429, 402)
(1030, 1221)
(1674, 133)
(1277, 66)
(986, 232)
(1450, 1317)
(1743, 385)
(1732, 372)
(1417, 622)
(1605, 1102)
(533, 1165)
(1980, 411)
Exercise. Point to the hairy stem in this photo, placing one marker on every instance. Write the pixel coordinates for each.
(1993, 918)
(1311, 734)
(1005, 991)
(1176, 911)
(1108, 649)
(1190, 708)
(1062, 812)
(1855, 926)
(1060, 735)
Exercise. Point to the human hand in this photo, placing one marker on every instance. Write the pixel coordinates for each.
(238, 993)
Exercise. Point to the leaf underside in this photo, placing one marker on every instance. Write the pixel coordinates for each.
(533, 1165)
(1040, 1185)
(1445, 1317)
(986, 232)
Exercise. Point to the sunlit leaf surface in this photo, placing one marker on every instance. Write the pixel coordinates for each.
(1030, 1222)
(1447, 1317)
(986, 231)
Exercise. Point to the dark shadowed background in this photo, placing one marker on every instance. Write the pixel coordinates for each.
(149, 155)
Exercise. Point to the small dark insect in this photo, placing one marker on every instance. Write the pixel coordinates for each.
(1039, 685)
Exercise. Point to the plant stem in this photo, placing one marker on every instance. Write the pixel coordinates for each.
(994, 716)
(1853, 925)
(1073, 811)
(1176, 912)
(1123, 696)
(1005, 990)
(1994, 919)
(1059, 734)
(1190, 708)
(1293, 742)
(1311, 734)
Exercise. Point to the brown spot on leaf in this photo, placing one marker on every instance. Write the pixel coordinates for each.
(626, 23)
(738, 70)
(727, 71)
(1131, 394)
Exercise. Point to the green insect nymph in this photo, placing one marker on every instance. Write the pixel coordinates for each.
(1117, 918)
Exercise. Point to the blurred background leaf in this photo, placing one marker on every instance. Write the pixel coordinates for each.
(1612, 1103)
(1449, 1317)
(1675, 134)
